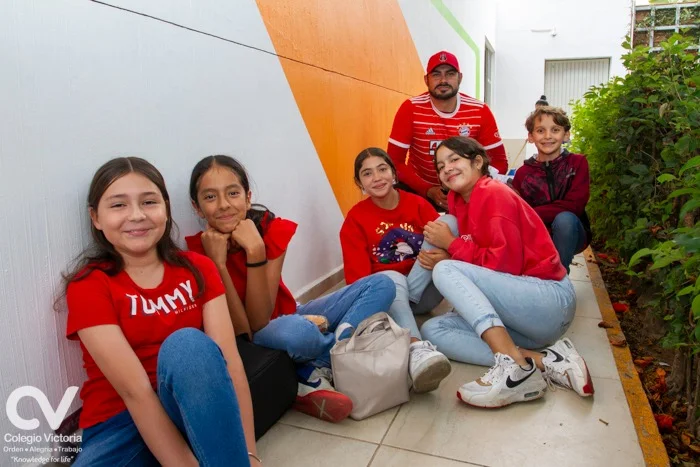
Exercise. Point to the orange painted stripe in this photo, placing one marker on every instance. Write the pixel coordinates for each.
(366, 41)
(648, 434)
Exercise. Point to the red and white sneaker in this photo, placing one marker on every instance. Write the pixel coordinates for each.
(317, 397)
(564, 367)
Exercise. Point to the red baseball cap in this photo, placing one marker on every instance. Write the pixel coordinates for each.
(442, 58)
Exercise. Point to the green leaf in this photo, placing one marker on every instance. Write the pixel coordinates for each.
(665, 261)
(639, 255)
(689, 206)
(686, 290)
(663, 178)
(691, 243)
(627, 180)
(694, 162)
(684, 191)
(696, 306)
(640, 169)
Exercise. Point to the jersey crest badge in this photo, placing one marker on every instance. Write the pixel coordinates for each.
(464, 129)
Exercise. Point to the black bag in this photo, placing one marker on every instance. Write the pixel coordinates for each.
(273, 382)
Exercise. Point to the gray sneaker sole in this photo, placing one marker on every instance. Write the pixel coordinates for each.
(429, 379)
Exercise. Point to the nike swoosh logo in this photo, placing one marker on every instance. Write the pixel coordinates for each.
(559, 357)
(512, 384)
(315, 384)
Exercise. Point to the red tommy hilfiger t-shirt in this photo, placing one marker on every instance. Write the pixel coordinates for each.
(146, 317)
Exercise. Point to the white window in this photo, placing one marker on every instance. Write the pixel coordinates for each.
(568, 80)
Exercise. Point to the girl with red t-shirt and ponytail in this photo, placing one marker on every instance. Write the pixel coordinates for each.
(248, 245)
(165, 384)
(383, 234)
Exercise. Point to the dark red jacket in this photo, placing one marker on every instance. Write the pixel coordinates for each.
(556, 186)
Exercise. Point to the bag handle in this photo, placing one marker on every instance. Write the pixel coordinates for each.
(341, 328)
(368, 326)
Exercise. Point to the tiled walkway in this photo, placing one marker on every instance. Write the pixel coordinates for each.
(437, 430)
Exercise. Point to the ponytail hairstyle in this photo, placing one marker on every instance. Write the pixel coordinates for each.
(101, 254)
(259, 214)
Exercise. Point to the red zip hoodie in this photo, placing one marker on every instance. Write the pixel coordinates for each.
(500, 231)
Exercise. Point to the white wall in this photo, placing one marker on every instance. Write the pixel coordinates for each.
(82, 83)
(432, 33)
(585, 29)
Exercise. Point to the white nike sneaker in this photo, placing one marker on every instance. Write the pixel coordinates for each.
(427, 367)
(505, 383)
(565, 367)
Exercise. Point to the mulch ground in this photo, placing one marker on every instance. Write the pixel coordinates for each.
(643, 331)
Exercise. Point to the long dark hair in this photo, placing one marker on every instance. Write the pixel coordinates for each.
(366, 154)
(467, 148)
(259, 214)
(101, 255)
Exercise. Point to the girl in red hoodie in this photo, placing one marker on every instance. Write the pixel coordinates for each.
(505, 281)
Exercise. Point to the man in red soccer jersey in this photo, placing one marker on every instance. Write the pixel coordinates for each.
(422, 122)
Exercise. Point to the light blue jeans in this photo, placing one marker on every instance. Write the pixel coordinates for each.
(402, 310)
(197, 393)
(301, 338)
(415, 294)
(535, 312)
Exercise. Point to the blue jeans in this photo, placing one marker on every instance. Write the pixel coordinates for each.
(301, 338)
(197, 393)
(535, 312)
(416, 294)
(402, 310)
(569, 236)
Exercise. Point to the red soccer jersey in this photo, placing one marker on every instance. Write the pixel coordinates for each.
(420, 127)
(145, 316)
(277, 234)
(375, 239)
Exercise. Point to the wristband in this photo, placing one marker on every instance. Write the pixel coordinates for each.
(255, 265)
(250, 454)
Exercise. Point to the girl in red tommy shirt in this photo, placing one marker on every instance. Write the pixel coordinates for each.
(383, 234)
(138, 306)
(506, 284)
(248, 244)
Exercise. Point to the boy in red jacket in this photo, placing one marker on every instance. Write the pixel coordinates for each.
(556, 183)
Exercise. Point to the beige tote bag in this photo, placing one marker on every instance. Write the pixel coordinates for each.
(371, 367)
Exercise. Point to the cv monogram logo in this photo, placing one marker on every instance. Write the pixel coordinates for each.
(53, 417)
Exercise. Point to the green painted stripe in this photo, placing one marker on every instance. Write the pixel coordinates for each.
(452, 21)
